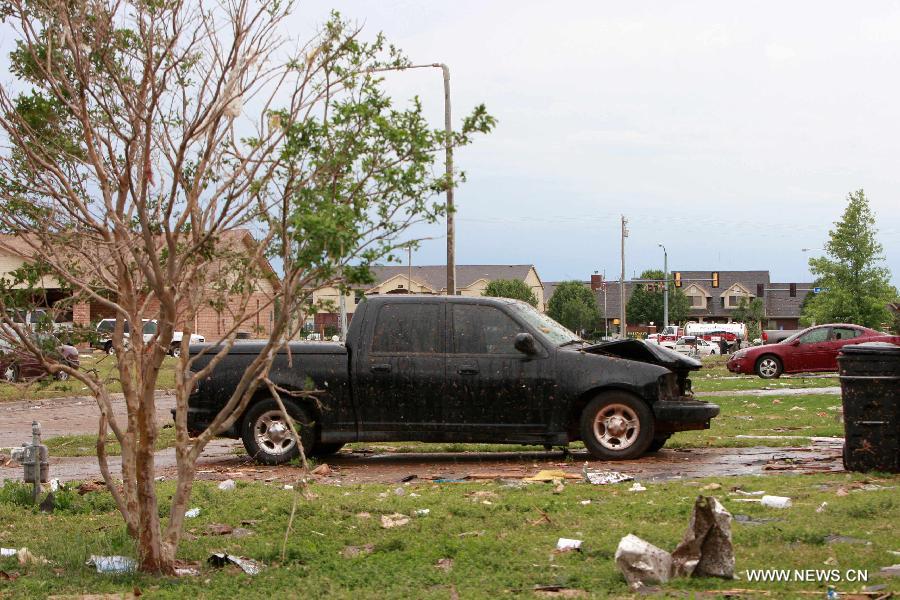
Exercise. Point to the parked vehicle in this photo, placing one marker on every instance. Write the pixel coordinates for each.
(17, 364)
(457, 369)
(773, 336)
(812, 349)
(731, 333)
(694, 346)
(106, 327)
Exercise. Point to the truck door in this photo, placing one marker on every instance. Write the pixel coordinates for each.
(492, 388)
(399, 379)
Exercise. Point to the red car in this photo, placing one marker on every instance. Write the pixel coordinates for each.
(813, 349)
(17, 364)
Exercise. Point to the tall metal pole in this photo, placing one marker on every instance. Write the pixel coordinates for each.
(665, 287)
(409, 268)
(623, 328)
(451, 232)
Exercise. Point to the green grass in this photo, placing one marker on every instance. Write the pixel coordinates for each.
(813, 415)
(503, 548)
(106, 369)
(86, 445)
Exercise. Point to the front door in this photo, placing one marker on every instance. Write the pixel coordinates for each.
(495, 392)
(400, 375)
(811, 353)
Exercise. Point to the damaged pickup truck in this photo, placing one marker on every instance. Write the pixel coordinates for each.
(458, 369)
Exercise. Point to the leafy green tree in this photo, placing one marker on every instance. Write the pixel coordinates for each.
(857, 284)
(143, 142)
(575, 306)
(751, 313)
(646, 304)
(511, 288)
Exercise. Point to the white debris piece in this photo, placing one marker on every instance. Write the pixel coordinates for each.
(112, 564)
(227, 485)
(605, 477)
(192, 513)
(776, 501)
(567, 545)
(7, 552)
(641, 562)
(706, 549)
(637, 487)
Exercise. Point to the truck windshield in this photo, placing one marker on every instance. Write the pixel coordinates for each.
(556, 333)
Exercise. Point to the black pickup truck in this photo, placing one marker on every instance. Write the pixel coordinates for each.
(458, 369)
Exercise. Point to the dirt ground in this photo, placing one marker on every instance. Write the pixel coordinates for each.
(224, 459)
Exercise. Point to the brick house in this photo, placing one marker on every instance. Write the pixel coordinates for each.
(209, 322)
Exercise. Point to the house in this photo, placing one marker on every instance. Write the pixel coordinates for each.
(212, 323)
(471, 280)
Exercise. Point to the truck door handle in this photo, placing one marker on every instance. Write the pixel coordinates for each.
(381, 368)
(467, 370)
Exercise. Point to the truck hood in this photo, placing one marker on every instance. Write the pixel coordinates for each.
(641, 351)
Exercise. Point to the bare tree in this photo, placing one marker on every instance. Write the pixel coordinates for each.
(162, 154)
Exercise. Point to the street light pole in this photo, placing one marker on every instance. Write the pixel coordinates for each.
(665, 287)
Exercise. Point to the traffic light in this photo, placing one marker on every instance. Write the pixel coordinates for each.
(760, 290)
(677, 278)
(715, 279)
(793, 290)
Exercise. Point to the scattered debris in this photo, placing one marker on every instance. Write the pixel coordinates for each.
(748, 520)
(55, 485)
(585, 502)
(712, 486)
(399, 491)
(776, 501)
(187, 569)
(567, 545)
(4, 576)
(192, 513)
(822, 507)
(408, 478)
(218, 529)
(422, 512)
(891, 571)
(354, 551)
(90, 486)
(641, 562)
(112, 564)
(743, 493)
(547, 476)
(48, 504)
(557, 591)
(363, 515)
(394, 520)
(637, 487)
(288, 486)
(604, 477)
(240, 532)
(227, 485)
(323, 470)
(7, 552)
(706, 549)
(471, 533)
(25, 557)
(444, 564)
(844, 539)
(247, 565)
(543, 519)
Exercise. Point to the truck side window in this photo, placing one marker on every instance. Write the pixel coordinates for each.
(483, 330)
(408, 328)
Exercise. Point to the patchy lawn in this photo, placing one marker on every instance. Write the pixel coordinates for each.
(105, 366)
(86, 445)
(499, 539)
(714, 377)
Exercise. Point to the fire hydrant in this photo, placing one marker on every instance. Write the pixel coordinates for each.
(35, 462)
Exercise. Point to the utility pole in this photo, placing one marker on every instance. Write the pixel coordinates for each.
(409, 268)
(623, 327)
(665, 287)
(451, 232)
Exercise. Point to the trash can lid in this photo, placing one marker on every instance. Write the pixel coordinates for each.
(872, 348)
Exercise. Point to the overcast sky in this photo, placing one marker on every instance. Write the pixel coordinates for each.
(730, 134)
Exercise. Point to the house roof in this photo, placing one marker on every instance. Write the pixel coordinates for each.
(435, 276)
(727, 279)
(779, 302)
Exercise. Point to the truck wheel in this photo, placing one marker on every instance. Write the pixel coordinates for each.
(617, 426)
(175, 350)
(268, 438)
(108, 348)
(657, 443)
(768, 367)
(322, 450)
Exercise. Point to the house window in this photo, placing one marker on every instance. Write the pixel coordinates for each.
(698, 301)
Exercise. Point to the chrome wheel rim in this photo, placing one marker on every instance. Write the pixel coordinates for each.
(273, 435)
(768, 367)
(616, 427)
(62, 376)
(176, 351)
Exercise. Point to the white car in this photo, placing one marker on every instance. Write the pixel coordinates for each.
(694, 346)
(106, 326)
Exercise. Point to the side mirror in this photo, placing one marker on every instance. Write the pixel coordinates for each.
(525, 343)
(795, 343)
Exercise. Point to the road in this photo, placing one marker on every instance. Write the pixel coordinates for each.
(223, 459)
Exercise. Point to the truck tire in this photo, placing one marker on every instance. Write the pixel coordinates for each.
(175, 350)
(769, 366)
(617, 426)
(268, 438)
(108, 348)
(658, 442)
(323, 450)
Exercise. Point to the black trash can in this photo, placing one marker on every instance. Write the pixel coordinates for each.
(870, 393)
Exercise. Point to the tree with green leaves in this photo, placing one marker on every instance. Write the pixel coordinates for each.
(752, 314)
(511, 288)
(574, 305)
(646, 304)
(157, 156)
(856, 283)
